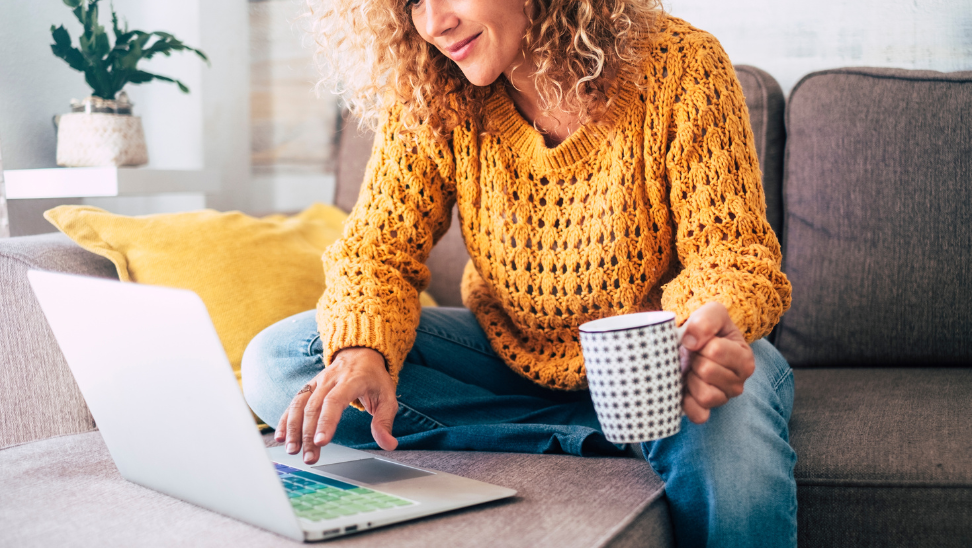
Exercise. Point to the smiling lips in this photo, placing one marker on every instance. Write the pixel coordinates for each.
(461, 49)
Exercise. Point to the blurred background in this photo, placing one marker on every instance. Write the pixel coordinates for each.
(254, 120)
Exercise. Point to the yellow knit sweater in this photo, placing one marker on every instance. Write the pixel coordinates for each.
(662, 208)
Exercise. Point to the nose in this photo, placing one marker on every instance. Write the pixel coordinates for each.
(439, 17)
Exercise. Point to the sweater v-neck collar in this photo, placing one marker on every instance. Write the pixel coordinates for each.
(503, 117)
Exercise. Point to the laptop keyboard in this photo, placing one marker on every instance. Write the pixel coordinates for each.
(319, 498)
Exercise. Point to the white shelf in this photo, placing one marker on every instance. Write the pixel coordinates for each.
(90, 182)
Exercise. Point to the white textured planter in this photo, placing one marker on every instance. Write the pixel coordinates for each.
(100, 139)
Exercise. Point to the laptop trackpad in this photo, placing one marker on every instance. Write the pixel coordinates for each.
(372, 471)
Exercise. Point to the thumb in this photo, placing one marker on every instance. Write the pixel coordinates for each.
(708, 321)
(382, 420)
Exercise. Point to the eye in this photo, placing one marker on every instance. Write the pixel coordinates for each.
(412, 4)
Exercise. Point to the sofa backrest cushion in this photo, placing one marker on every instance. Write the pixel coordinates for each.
(766, 104)
(878, 224)
(448, 259)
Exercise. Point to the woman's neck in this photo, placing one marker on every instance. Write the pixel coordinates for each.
(555, 125)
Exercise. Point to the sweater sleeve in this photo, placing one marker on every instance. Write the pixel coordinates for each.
(376, 271)
(727, 250)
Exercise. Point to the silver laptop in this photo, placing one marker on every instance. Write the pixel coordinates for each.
(154, 374)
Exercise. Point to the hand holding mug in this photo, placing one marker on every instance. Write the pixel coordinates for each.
(643, 372)
(716, 360)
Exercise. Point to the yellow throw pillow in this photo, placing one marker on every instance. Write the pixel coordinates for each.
(249, 272)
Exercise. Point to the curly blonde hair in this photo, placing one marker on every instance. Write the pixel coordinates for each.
(369, 52)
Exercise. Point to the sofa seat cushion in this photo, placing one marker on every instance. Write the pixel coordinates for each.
(67, 491)
(884, 456)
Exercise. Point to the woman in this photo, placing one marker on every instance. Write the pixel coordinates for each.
(602, 162)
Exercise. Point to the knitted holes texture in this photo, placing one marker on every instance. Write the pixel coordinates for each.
(661, 208)
(376, 270)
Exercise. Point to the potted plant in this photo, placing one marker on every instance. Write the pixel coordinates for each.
(101, 130)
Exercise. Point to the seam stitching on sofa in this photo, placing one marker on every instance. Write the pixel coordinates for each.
(95, 429)
(19, 258)
(899, 484)
(903, 77)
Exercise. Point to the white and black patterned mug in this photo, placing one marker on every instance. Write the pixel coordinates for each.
(634, 374)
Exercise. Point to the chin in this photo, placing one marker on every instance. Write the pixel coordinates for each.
(480, 78)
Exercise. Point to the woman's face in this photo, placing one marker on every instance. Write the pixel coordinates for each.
(482, 37)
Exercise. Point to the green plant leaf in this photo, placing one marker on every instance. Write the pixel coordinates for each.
(79, 13)
(132, 57)
(108, 68)
(62, 48)
(140, 77)
(167, 43)
(102, 44)
(99, 87)
(91, 17)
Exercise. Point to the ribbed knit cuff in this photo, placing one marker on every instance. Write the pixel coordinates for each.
(359, 330)
(755, 308)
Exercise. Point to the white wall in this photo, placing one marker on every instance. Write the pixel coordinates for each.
(293, 130)
(789, 38)
(208, 128)
(34, 85)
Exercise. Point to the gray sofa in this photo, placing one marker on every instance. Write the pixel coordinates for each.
(868, 183)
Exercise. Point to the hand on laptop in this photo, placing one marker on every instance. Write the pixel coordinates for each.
(313, 415)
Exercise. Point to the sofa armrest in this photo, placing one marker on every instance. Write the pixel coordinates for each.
(38, 396)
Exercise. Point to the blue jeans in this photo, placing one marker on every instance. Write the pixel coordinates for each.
(729, 482)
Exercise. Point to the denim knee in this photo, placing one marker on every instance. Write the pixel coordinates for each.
(277, 362)
(731, 478)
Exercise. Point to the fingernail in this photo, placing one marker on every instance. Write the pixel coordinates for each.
(291, 448)
(319, 438)
(688, 341)
(308, 456)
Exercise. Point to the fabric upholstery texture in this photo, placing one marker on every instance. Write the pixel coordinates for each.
(764, 99)
(67, 491)
(38, 395)
(885, 456)
(878, 228)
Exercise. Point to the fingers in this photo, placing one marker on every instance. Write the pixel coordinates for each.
(280, 434)
(695, 412)
(704, 394)
(295, 419)
(734, 356)
(319, 429)
(708, 321)
(725, 364)
(382, 420)
(716, 359)
(312, 412)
